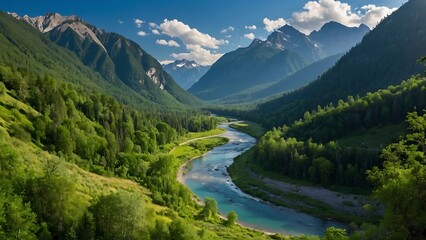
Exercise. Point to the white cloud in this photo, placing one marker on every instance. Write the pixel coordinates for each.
(153, 25)
(200, 55)
(170, 43)
(142, 33)
(317, 13)
(374, 14)
(249, 36)
(271, 25)
(175, 28)
(165, 62)
(120, 21)
(195, 42)
(252, 27)
(228, 36)
(155, 31)
(227, 30)
(138, 22)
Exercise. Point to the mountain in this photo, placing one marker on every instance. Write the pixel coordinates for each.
(335, 38)
(383, 58)
(297, 80)
(288, 37)
(113, 56)
(283, 53)
(185, 72)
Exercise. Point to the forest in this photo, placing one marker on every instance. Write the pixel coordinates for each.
(308, 148)
(91, 141)
(68, 125)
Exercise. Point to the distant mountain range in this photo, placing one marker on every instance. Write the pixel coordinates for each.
(185, 72)
(386, 56)
(285, 52)
(115, 57)
(335, 38)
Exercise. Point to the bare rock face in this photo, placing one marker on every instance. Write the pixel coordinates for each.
(53, 21)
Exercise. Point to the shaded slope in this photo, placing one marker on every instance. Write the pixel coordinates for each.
(297, 80)
(383, 58)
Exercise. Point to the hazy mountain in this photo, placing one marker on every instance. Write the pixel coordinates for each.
(383, 58)
(282, 54)
(185, 72)
(236, 76)
(297, 80)
(112, 55)
(335, 38)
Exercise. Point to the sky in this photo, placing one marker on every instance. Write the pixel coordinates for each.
(204, 30)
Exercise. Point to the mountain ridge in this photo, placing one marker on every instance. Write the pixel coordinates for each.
(381, 59)
(263, 62)
(115, 57)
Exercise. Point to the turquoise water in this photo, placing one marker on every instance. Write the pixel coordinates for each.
(207, 177)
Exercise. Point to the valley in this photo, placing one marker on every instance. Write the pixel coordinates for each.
(161, 120)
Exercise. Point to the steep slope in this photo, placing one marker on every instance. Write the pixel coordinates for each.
(283, 53)
(297, 80)
(185, 72)
(335, 38)
(112, 55)
(261, 62)
(288, 37)
(383, 58)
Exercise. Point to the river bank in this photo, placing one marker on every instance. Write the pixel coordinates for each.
(314, 200)
(207, 177)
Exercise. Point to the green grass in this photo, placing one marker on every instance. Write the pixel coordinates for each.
(197, 148)
(193, 135)
(253, 129)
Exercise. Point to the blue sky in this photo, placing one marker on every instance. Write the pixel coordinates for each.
(203, 30)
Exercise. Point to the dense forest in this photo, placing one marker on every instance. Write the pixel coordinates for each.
(98, 134)
(86, 152)
(308, 149)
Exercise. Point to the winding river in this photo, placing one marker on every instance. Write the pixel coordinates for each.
(207, 177)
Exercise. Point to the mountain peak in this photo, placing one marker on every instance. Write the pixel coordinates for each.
(186, 72)
(256, 42)
(287, 29)
(286, 37)
(52, 20)
(184, 63)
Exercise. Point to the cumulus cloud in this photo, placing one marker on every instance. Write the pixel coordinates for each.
(228, 29)
(138, 22)
(317, 13)
(155, 31)
(200, 55)
(188, 35)
(142, 33)
(153, 25)
(249, 36)
(271, 25)
(195, 41)
(252, 27)
(170, 43)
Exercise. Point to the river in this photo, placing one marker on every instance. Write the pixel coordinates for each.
(207, 177)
